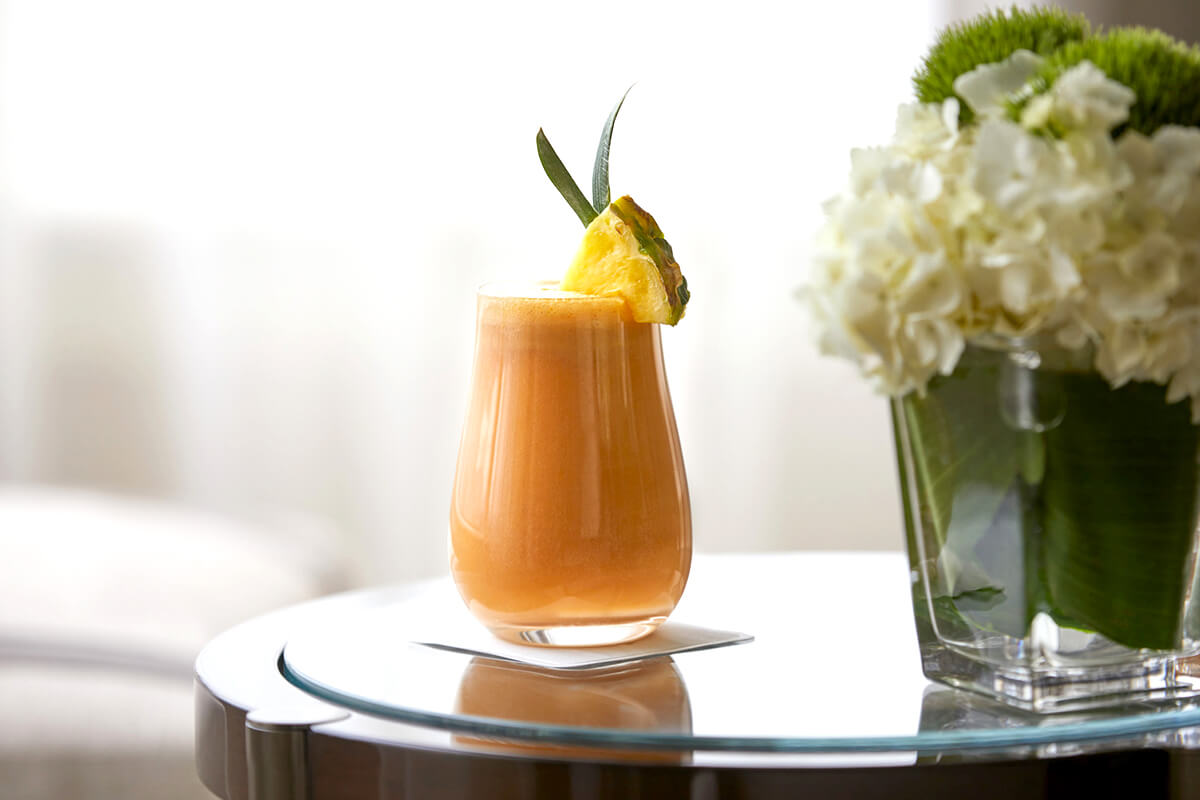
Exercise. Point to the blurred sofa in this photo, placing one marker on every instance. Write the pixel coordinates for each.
(104, 603)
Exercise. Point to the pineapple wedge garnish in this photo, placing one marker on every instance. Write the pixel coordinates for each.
(624, 254)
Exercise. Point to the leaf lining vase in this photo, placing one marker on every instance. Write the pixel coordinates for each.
(1051, 528)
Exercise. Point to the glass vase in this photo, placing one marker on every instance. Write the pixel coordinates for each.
(1051, 528)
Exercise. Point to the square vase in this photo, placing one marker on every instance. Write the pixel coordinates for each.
(1051, 526)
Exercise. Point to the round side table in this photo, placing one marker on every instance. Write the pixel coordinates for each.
(325, 700)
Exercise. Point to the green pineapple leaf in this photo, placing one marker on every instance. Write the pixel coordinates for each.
(562, 180)
(601, 195)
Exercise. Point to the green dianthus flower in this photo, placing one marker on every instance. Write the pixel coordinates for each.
(1163, 72)
(989, 38)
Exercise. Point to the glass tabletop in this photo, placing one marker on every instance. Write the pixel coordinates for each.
(834, 667)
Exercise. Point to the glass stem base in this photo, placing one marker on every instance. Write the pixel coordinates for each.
(1064, 689)
(583, 634)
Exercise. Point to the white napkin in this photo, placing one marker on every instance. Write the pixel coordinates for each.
(439, 619)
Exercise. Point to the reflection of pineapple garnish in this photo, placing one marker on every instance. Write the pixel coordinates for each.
(623, 252)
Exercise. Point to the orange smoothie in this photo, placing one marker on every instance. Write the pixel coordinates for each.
(570, 522)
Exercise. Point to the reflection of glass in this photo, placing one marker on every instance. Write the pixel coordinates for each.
(641, 696)
(570, 522)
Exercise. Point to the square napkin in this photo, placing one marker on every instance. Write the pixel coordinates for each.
(444, 622)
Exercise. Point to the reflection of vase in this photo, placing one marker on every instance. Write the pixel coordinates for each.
(944, 709)
(644, 696)
(1051, 527)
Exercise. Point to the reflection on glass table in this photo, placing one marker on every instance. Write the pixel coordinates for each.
(834, 668)
(644, 695)
(331, 698)
(945, 710)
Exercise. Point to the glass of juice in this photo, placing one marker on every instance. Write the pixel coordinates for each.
(570, 523)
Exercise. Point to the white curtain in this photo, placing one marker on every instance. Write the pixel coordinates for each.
(240, 242)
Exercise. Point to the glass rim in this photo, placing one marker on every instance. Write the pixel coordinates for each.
(537, 290)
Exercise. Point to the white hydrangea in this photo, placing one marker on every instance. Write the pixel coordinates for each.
(988, 87)
(1044, 225)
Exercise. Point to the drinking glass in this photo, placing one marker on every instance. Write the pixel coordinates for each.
(570, 523)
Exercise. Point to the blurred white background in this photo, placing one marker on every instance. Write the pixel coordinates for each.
(241, 241)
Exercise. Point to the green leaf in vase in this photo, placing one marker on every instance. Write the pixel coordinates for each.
(969, 465)
(1120, 499)
(1091, 518)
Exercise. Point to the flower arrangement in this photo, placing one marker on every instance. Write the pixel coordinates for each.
(1019, 268)
(1053, 190)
